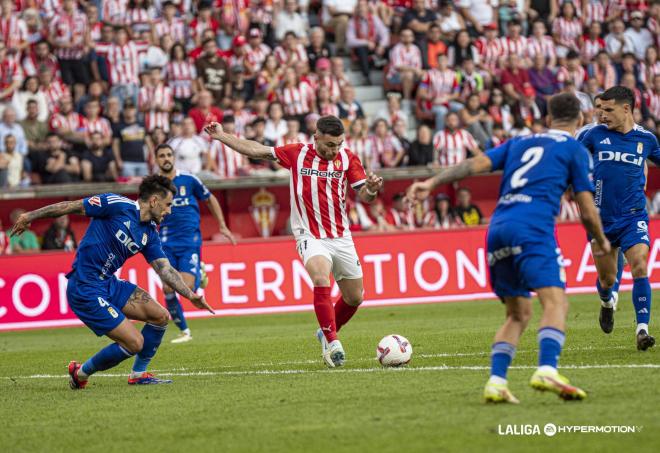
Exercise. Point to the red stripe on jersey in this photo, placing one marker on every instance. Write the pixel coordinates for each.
(325, 203)
(307, 192)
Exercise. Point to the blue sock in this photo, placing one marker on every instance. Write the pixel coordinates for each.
(152, 335)
(619, 271)
(641, 296)
(176, 311)
(108, 357)
(501, 355)
(551, 341)
(605, 294)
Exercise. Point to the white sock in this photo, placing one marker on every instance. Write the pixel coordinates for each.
(547, 369)
(82, 375)
(642, 326)
(497, 380)
(186, 331)
(608, 304)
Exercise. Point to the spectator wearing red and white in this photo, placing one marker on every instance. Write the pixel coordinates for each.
(653, 24)
(169, 24)
(325, 78)
(40, 56)
(490, 50)
(202, 21)
(639, 35)
(67, 123)
(358, 141)
(94, 122)
(453, 143)
(592, 43)
(13, 30)
(593, 11)
(652, 98)
(514, 41)
(242, 116)
(526, 111)
(405, 63)
(269, 78)
(290, 50)
(569, 210)
(48, 8)
(191, 150)
(400, 213)
(69, 35)
(275, 124)
(95, 25)
(540, 43)
(515, 78)
(393, 112)
(602, 70)
(442, 216)
(386, 148)
(337, 69)
(238, 53)
(349, 108)
(367, 36)
(567, 30)
(181, 76)
(632, 6)
(500, 111)
(439, 91)
(256, 52)
(11, 75)
(204, 111)
(293, 134)
(629, 81)
(650, 67)
(324, 104)
(140, 16)
(617, 43)
(53, 89)
(224, 161)
(572, 71)
(478, 13)
(297, 98)
(123, 60)
(155, 102)
(114, 11)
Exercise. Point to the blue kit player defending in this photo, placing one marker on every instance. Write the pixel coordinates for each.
(120, 228)
(181, 235)
(620, 148)
(523, 254)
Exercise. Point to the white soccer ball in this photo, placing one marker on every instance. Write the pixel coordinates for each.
(394, 350)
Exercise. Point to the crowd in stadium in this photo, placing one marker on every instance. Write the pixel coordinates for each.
(89, 88)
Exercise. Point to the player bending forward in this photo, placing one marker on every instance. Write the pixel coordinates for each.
(523, 254)
(319, 174)
(180, 232)
(120, 228)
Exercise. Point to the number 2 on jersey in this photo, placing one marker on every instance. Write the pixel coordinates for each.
(530, 158)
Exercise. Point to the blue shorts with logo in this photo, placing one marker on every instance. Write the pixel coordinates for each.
(626, 232)
(185, 259)
(99, 304)
(521, 259)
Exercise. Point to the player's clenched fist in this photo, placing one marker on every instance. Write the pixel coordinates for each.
(374, 183)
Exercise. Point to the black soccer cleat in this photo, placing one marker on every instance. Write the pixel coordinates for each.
(644, 340)
(606, 319)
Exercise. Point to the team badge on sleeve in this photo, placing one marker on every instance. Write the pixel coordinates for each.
(96, 201)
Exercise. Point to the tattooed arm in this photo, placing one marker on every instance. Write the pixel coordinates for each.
(52, 210)
(173, 279)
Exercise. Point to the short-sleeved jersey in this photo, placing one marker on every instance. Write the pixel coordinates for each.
(579, 135)
(181, 227)
(114, 235)
(537, 171)
(619, 169)
(318, 189)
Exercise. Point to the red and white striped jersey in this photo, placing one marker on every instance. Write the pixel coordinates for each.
(124, 61)
(333, 84)
(545, 47)
(49, 7)
(361, 146)
(227, 161)
(404, 220)
(176, 29)
(318, 189)
(114, 11)
(385, 149)
(139, 19)
(578, 76)
(567, 31)
(297, 100)
(95, 31)
(591, 47)
(652, 100)
(70, 29)
(452, 147)
(72, 121)
(401, 55)
(180, 75)
(440, 83)
(256, 56)
(99, 124)
(198, 27)
(13, 31)
(10, 71)
(329, 109)
(241, 120)
(647, 73)
(54, 92)
(489, 51)
(606, 78)
(288, 58)
(31, 65)
(514, 46)
(595, 12)
(161, 96)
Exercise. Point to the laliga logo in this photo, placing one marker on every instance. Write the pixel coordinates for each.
(127, 241)
(618, 156)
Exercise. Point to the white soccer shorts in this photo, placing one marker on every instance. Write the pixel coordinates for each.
(339, 251)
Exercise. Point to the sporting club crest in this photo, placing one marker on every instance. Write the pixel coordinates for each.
(264, 212)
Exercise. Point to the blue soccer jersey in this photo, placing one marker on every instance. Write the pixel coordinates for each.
(583, 131)
(180, 229)
(619, 169)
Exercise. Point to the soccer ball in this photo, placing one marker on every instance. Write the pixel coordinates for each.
(394, 350)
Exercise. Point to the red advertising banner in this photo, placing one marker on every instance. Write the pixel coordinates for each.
(267, 276)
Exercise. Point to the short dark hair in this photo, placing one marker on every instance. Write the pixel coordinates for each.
(162, 146)
(228, 119)
(463, 189)
(565, 107)
(330, 125)
(620, 95)
(156, 185)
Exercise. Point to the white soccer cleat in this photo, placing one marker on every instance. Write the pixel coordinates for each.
(337, 354)
(325, 349)
(182, 338)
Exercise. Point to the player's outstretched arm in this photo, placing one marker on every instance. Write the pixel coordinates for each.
(173, 279)
(249, 148)
(52, 210)
(369, 191)
(419, 191)
(591, 221)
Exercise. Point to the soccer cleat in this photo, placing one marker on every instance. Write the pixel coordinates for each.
(644, 340)
(499, 393)
(606, 318)
(203, 277)
(336, 352)
(182, 338)
(147, 379)
(325, 350)
(75, 382)
(545, 381)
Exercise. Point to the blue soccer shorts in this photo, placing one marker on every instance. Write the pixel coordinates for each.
(628, 231)
(522, 259)
(185, 259)
(99, 304)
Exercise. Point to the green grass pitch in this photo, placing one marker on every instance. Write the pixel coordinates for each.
(258, 384)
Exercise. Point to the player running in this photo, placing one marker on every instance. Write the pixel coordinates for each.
(523, 254)
(120, 228)
(319, 174)
(620, 149)
(180, 232)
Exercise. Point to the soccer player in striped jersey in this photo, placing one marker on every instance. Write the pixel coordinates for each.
(320, 172)
(120, 228)
(180, 232)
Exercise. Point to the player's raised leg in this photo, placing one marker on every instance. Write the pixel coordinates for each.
(175, 308)
(606, 266)
(637, 257)
(551, 337)
(518, 314)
